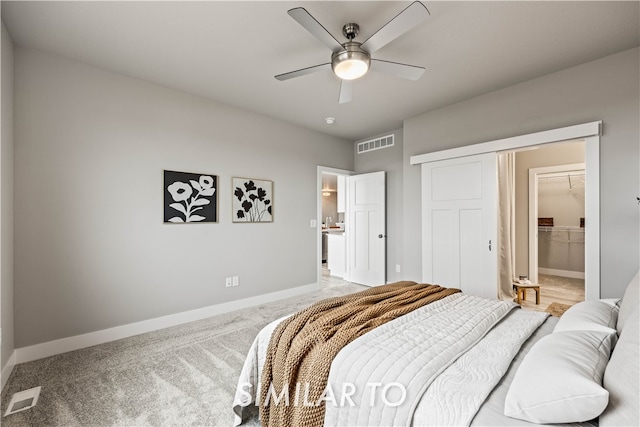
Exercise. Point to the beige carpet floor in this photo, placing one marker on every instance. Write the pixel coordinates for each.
(180, 376)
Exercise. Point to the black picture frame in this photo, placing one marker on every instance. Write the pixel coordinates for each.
(190, 198)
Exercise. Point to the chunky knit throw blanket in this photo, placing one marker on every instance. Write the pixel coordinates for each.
(303, 346)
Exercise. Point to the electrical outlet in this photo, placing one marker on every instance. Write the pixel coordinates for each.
(397, 268)
(228, 282)
(313, 223)
(236, 282)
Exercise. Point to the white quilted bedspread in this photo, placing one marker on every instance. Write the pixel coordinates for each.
(429, 351)
(410, 350)
(455, 396)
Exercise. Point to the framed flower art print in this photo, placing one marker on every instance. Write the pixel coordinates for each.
(252, 200)
(190, 197)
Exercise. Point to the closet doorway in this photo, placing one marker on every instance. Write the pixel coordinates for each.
(557, 229)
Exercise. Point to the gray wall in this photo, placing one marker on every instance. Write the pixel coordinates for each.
(91, 250)
(6, 200)
(606, 89)
(390, 161)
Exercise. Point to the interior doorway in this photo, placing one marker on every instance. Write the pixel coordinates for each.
(548, 238)
(333, 224)
(331, 220)
(557, 230)
(352, 226)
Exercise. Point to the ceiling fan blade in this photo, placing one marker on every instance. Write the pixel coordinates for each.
(414, 14)
(310, 23)
(346, 90)
(302, 72)
(411, 72)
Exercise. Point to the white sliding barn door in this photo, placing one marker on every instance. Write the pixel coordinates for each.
(459, 220)
(367, 229)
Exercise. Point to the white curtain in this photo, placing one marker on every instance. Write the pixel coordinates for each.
(506, 221)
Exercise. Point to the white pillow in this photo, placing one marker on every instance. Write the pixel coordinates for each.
(630, 302)
(589, 316)
(621, 378)
(560, 379)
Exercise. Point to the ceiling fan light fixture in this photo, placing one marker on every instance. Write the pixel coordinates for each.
(351, 63)
(352, 60)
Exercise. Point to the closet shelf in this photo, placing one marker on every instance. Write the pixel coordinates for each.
(561, 228)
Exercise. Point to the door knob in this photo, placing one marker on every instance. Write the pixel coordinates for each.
(380, 236)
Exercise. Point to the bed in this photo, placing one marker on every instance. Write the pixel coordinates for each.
(453, 360)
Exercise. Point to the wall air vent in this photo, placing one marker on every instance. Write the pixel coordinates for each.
(375, 144)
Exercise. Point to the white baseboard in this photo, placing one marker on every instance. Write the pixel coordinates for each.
(6, 370)
(51, 348)
(562, 273)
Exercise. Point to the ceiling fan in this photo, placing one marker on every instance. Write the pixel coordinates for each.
(351, 60)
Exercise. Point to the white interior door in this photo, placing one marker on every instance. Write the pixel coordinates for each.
(459, 219)
(366, 229)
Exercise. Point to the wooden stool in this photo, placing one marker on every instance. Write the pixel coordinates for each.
(522, 289)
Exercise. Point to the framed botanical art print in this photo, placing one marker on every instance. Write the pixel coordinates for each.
(252, 200)
(190, 197)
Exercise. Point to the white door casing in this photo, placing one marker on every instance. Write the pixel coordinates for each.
(459, 219)
(366, 229)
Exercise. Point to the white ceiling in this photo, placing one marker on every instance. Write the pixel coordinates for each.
(230, 51)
